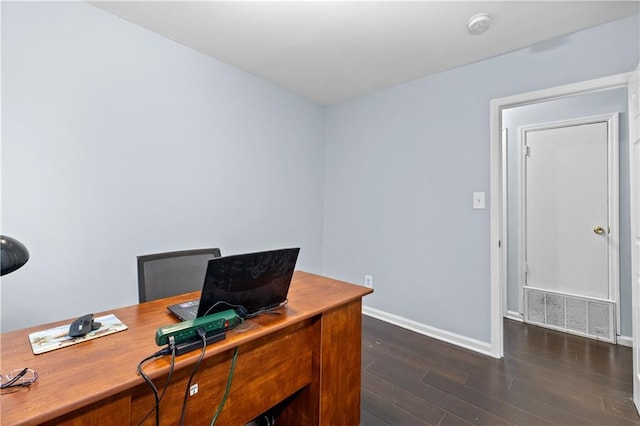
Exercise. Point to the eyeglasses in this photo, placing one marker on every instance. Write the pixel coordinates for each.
(18, 378)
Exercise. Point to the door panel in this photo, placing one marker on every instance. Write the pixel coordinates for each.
(566, 187)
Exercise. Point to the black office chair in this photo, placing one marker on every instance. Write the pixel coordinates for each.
(167, 274)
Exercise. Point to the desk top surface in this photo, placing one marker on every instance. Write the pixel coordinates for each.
(90, 371)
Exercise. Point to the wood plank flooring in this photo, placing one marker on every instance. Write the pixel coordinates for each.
(545, 378)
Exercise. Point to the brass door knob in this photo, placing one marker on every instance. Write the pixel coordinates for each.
(598, 230)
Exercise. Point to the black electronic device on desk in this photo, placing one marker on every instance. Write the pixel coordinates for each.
(250, 283)
(83, 325)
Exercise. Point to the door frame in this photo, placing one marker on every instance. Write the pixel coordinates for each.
(497, 200)
(633, 92)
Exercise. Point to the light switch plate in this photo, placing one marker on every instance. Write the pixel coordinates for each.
(478, 200)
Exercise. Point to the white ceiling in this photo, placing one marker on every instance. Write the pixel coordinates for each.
(330, 51)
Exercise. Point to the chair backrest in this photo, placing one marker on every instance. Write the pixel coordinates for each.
(168, 274)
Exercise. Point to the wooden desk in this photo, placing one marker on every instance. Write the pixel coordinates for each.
(307, 360)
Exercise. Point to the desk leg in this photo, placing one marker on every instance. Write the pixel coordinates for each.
(333, 398)
(340, 365)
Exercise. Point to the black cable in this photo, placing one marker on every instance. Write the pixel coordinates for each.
(241, 310)
(171, 349)
(203, 334)
(152, 386)
(221, 302)
(270, 311)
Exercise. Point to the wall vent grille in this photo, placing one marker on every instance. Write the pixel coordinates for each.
(594, 318)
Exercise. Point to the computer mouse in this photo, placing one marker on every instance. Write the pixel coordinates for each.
(83, 325)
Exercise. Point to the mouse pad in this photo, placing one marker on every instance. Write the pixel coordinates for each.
(58, 337)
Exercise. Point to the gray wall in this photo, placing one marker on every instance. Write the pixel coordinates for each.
(596, 103)
(401, 166)
(118, 142)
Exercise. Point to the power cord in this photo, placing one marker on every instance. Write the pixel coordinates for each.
(226, 391)
(270, 311)
(203, 335)
(222, 302)
(242, 311)
(170, 349)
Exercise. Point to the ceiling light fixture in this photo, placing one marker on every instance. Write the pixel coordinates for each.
(479, 23)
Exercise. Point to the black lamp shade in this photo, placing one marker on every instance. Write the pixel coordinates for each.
(13, 254)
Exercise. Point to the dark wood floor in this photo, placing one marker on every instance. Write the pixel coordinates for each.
(546, 377)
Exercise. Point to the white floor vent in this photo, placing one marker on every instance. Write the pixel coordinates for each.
(584, 316)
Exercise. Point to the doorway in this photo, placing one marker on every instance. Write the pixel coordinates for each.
(500, 237)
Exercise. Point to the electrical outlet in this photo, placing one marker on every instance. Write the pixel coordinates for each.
(368, 281)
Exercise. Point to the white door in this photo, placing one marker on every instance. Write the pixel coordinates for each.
(566, 222)
(634, 174)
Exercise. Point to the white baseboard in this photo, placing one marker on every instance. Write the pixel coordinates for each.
(516, 316)
(624, 341)
(446, 336)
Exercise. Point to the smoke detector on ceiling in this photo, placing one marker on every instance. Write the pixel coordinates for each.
(479, 23)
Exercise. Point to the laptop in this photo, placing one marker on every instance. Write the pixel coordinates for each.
(250, 283)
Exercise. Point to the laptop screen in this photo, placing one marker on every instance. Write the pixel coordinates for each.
(253, 281)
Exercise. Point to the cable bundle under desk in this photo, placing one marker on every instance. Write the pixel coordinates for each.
(185, 337)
